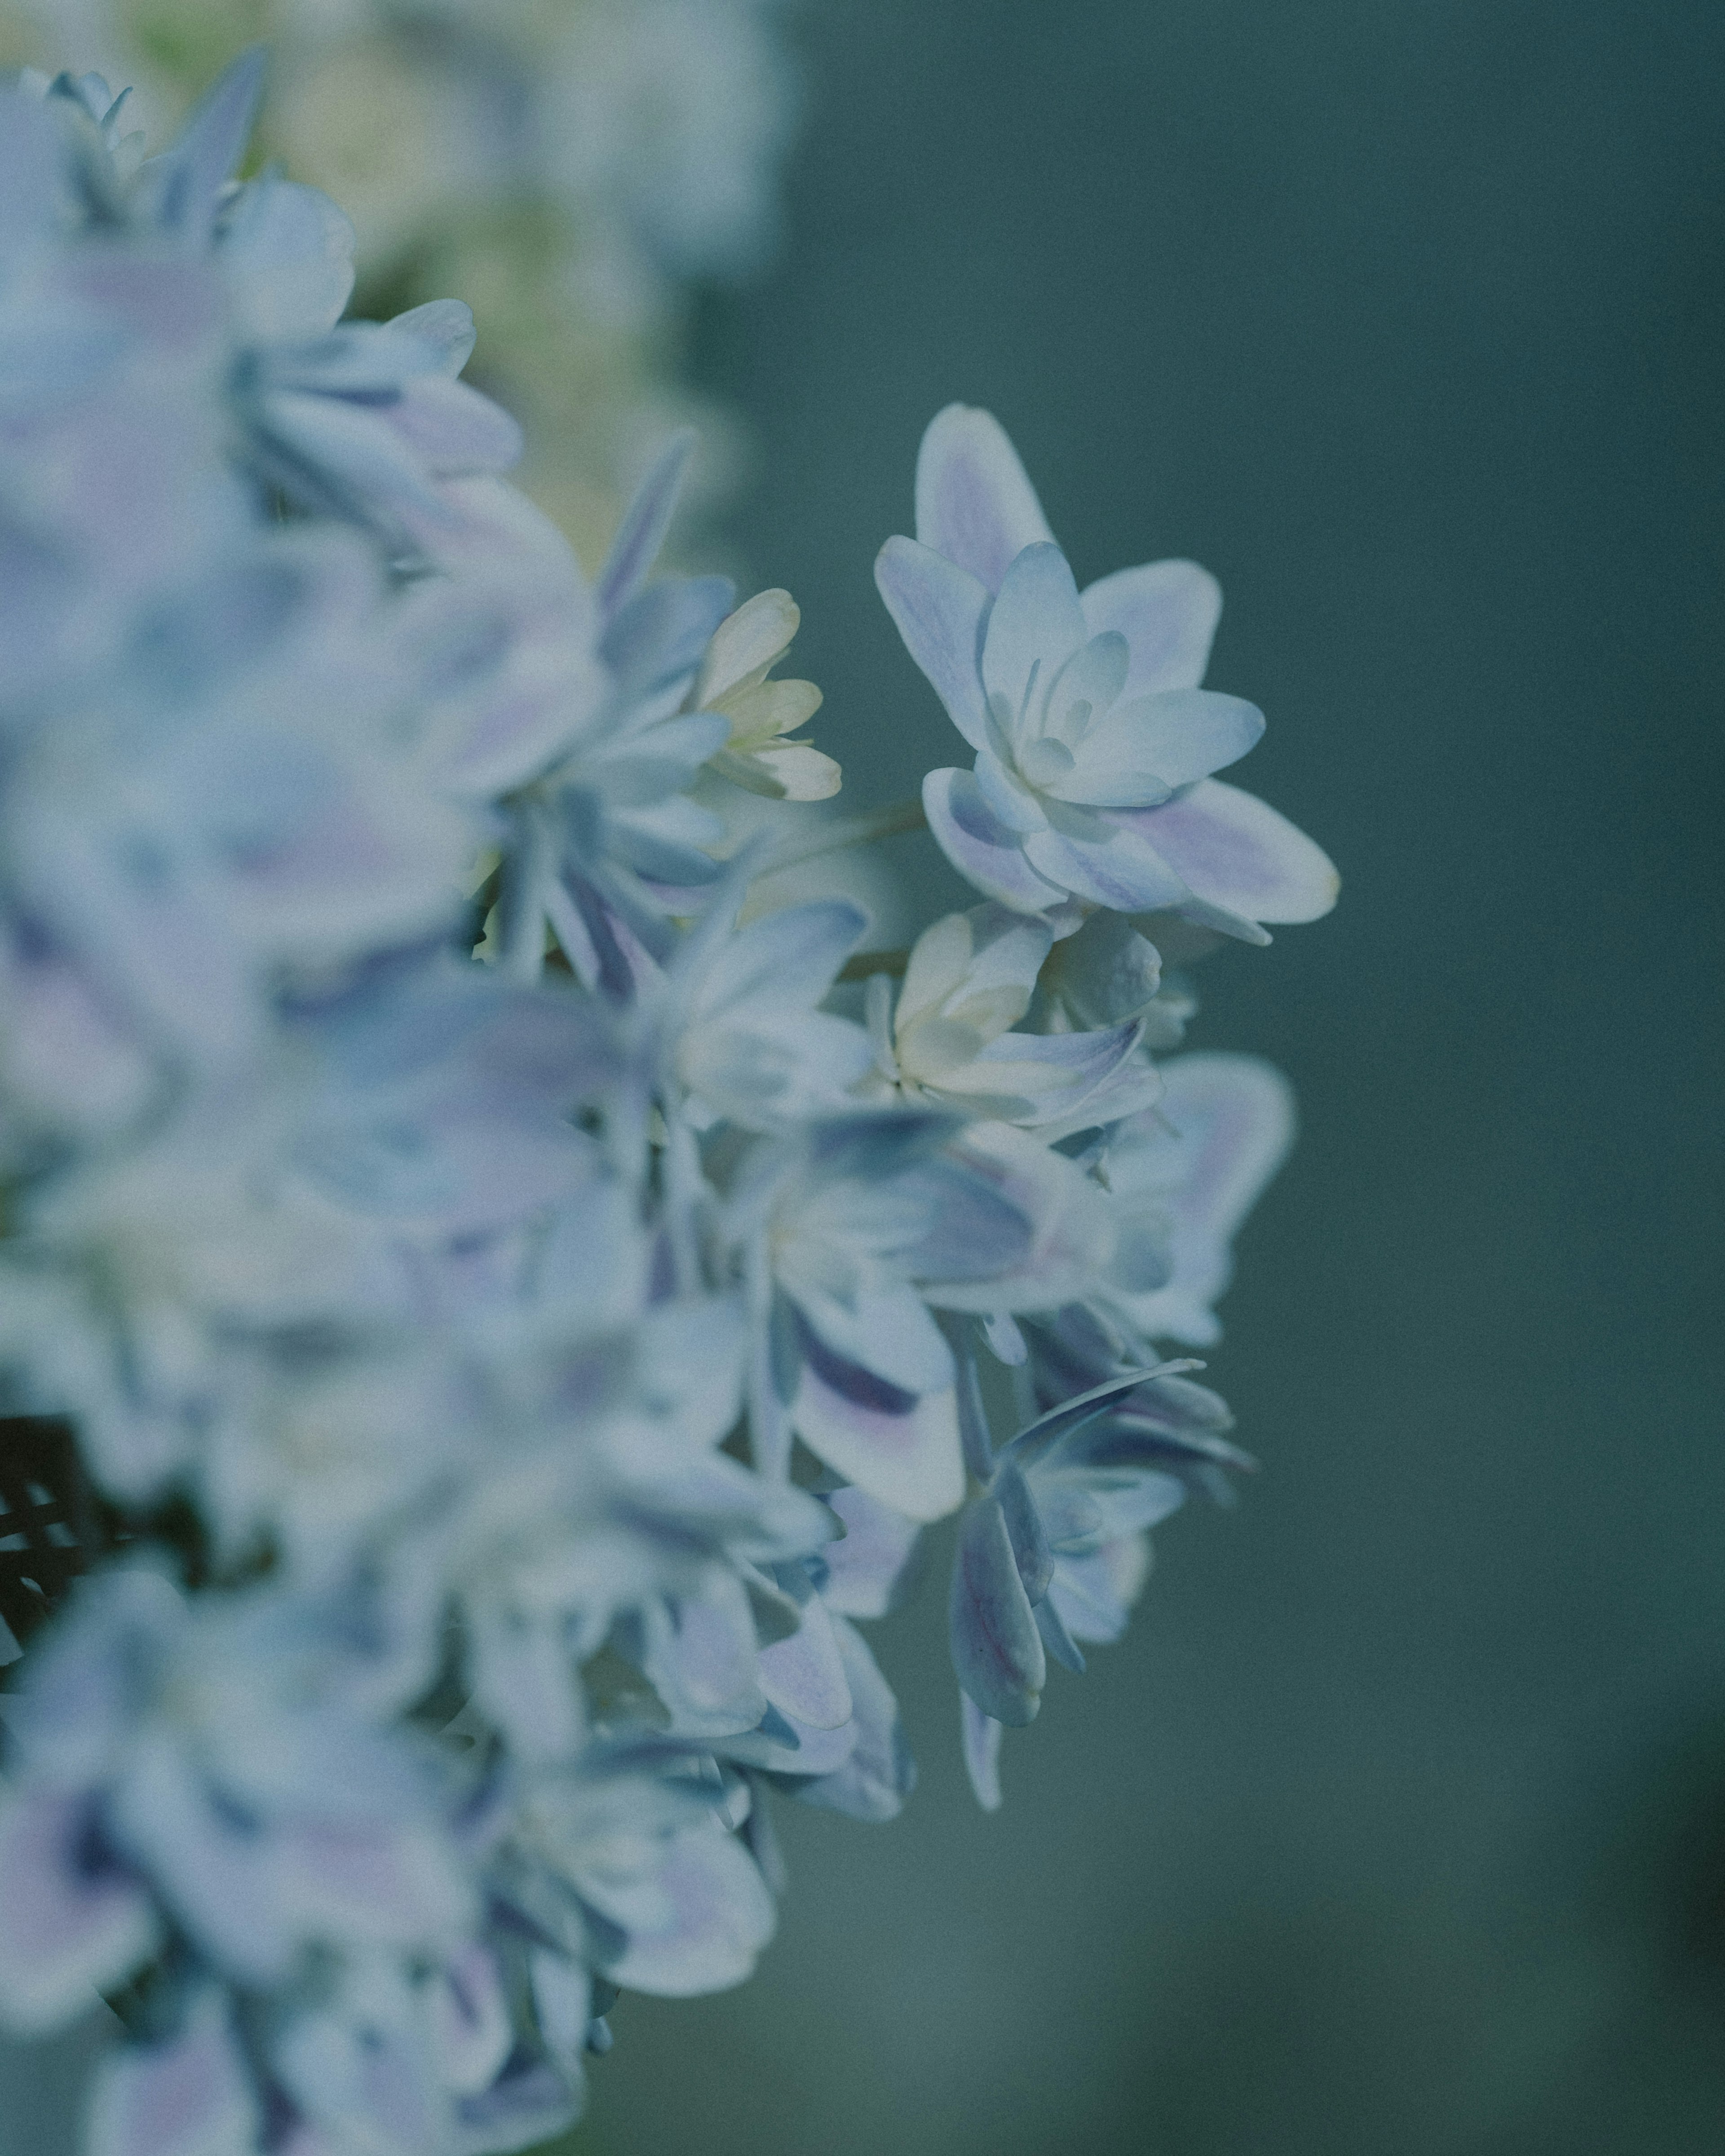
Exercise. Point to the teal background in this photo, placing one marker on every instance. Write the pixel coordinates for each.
(1397, 1826)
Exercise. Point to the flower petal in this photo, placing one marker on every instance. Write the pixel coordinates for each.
(981, 847)
(1167, 613)
(997, 1649)
(1238, 858)
(1135, 755)
(939, 608)
(904, 1450)
(974, 502)
(1035, 627)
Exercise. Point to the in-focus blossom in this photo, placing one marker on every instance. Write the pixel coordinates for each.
(944, 1039)
(1094, 742)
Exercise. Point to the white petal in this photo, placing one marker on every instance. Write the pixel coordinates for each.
(939, 608)
(981, 847)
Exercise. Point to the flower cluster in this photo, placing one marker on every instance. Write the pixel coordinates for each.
(524, 1276)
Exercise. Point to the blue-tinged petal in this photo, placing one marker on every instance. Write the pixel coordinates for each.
(1024, 1529)
(1088, 685)
(899, 1448)
(452, 428)
(1167, 613)
(183, 187)
(340, 455)
(974, 502)
(189, 2096)
(881, 1773)
(71, 1922)
(939, 608)
(1070, 1228)
(1057, 1639)
(1134, 755)
(886, 1331)
(644, 524)
(1008, 797)
(287, 256)
(470, 2024)
(1107, 973)
(1035, 626)
(785, 961)
(982, 1735)
(29, 175)
(1238, 856)
(803, 1676)
(697, 1924)
(865, 1570)
(659, 636)
(997, 1649)
(1093, 1595)
(1082, 853)
(444, 326)
(1223, 1127)
(981, 847)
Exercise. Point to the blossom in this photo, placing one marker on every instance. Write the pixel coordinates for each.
(732, 680)
(855, 1233)
(969, 977)
(1094, 742)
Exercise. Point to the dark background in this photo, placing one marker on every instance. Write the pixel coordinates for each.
(1397, 1824)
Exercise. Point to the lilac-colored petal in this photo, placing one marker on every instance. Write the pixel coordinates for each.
(452, 428)
(884, 1332)
(974, 502)
(939, 608)
(881, 1773)
(697, 1924)
(644, 524)
(982, 1735)
(803, 1676)
(71, 1924)
(324, 441)
(905, 1452)
(1035, 627)
(786, 962)
(1167, 613)
(1232, 1121)
(1237, 855)
(865, 1570)
(190, 2096)
(997, 1649)
(981, 847)
(1084, 856)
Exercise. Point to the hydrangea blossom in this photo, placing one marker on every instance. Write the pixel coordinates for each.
(527, 1284)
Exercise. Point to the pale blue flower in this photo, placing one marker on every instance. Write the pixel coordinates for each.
(1094, 742)
(944, 1038)
(855, 1234)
